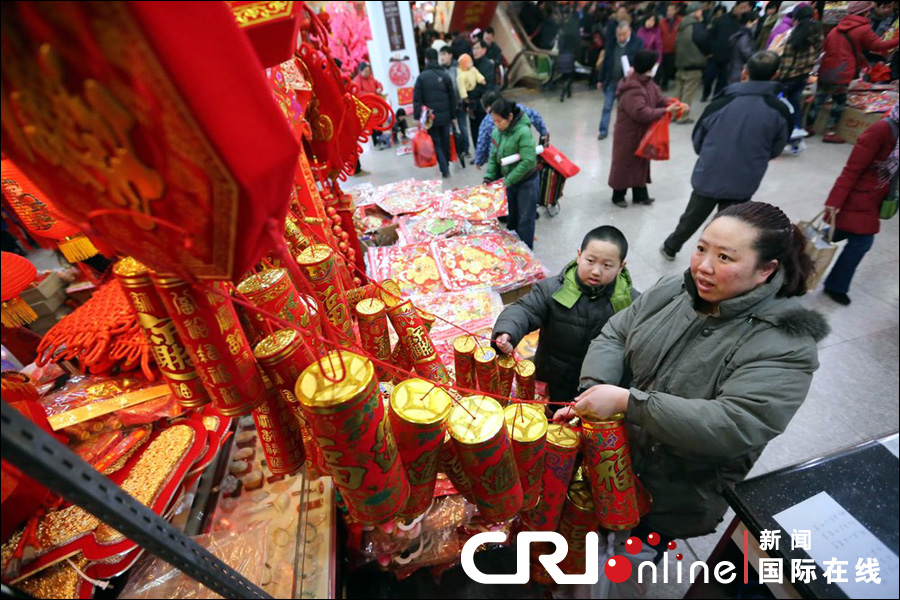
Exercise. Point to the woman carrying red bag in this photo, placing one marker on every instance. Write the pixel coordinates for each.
(640, 105)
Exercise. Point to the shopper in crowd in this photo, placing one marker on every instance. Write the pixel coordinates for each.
(369, 85)
(612, 71)
(855, 200)
(742, 45)
(883, 16)
(620, 16)
(799, 54)
(445, 57)
(767, 25)
(708, 366)
(735, 138)
(461, 44)
(651, 35)
(569, 45)
(570, 310)
(721, 34)
(487, 69)
(668, 28)
(434, 91)
(512, 140)
(641, 104)
(483, 141)
(785, 23)
(494, 52)
(843, 62)
(468, 78)
(691, 48)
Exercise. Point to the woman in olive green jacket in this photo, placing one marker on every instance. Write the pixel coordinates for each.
(511, 137)
(713, 364)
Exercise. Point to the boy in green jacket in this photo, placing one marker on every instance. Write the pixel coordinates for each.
(570, 310)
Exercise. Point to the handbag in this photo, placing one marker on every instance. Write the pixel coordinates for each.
(820, 246)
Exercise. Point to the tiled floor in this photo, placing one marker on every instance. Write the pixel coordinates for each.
(854, 395)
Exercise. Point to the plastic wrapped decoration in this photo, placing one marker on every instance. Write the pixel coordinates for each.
(40, 217)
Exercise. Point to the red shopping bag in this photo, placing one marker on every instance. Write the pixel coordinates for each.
(453, 156)
(423, 149)
(655, 143)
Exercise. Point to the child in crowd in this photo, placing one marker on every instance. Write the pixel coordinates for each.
(570, 310)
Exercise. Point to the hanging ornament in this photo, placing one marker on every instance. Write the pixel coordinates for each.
(18, 273)
(40, 217)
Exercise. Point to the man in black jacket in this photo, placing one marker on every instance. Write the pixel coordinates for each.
(488, 69)
(434, 90)
(727, 25)
(625, 45)
(735, 138)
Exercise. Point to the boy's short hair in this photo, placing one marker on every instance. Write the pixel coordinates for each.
(763, 65)
(445, 50)
(607, 233)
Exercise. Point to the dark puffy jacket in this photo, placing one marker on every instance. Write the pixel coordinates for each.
(632, 47)
(566, 333)
(435, 90)
(721, 34)
(736, 137)
(488, 69)
(741, 50)
(843, 59)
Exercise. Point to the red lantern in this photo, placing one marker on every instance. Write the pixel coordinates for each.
(18, 273)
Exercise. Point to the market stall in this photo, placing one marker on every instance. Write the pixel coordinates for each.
(254, 388)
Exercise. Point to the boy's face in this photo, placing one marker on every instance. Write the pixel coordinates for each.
(599, 263)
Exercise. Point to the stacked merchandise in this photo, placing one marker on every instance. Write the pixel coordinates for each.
(238, 328)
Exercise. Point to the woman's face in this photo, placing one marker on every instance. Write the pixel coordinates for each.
(500, 122)
(650, 22)
(724, 263)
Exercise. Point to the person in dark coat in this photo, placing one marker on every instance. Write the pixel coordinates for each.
(569, 45)
(742, 46)
(641, 104)
(855, 200)
(735, 138)
(434, 90)
(570, 310)
(611, 71)
(722, 31)
(460, 45)
(488, 70)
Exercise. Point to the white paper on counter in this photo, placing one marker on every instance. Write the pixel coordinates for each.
(835, 533)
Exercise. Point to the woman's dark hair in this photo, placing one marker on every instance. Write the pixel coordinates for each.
(488, 99)
(505, 108)
(749, 17)
(807, 31)
(777, 239)
(644, 61)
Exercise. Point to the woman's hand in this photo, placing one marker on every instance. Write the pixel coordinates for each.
(503, 342)
(596, 403)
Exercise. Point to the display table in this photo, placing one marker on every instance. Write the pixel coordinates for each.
(846, 500)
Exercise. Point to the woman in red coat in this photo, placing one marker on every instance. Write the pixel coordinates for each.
(641, 103)
(855, 200)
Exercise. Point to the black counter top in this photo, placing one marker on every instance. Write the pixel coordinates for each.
(864, 479)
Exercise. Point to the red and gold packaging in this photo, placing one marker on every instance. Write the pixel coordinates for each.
(482, 445)
(317, 264)
(373, 331)
(577, 520)
(418, 410)
(279, 432)
(451, 466)
(464, 360)
(526, 425)
(358, 294)
(525, 380)
(297, 241)
(416, 343)
(486, 369)
(506, 370)
(283, 356)
(341, 400)
(173, 360)
(607, 465)
(273, 291)
(560, 457)
(208, 326)
(18, 387)
(399, 356)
